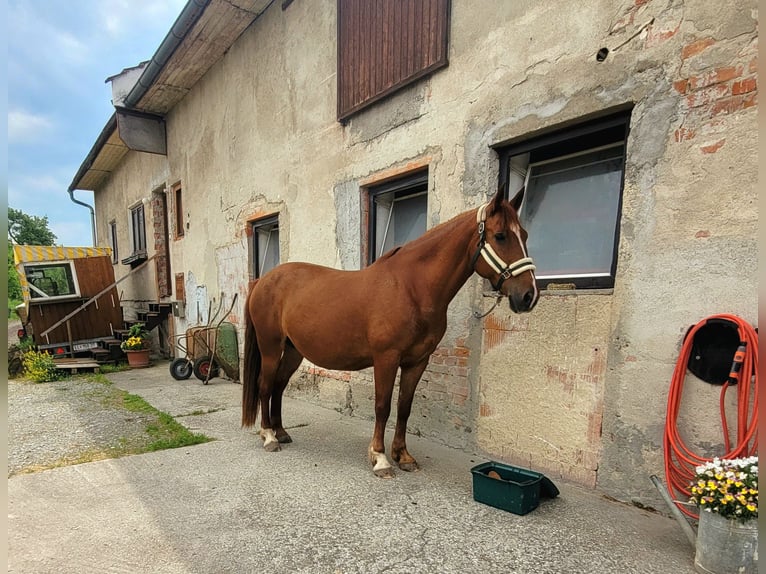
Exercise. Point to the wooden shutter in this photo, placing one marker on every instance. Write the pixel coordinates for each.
(384, 45)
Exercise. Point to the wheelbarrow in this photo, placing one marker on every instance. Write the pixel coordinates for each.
(208, 349)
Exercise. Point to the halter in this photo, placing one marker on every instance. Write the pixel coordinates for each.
(493, 259)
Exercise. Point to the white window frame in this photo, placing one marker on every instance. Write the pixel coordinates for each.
(31, 265)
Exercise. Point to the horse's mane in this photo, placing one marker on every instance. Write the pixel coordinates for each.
(436, 234)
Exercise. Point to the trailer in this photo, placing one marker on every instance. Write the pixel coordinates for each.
(71, 306)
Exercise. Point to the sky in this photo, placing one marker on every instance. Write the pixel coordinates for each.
(59, 56)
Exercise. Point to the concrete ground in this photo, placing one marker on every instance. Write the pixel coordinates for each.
(228, 506)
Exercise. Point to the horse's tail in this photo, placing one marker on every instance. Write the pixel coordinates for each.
(251, 371)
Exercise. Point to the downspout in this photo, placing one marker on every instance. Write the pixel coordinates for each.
(92, 214)
(189, 15)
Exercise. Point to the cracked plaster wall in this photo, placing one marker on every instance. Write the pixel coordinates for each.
(578, 387)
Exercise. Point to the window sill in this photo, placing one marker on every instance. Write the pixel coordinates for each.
(135, 260)
(558, 292)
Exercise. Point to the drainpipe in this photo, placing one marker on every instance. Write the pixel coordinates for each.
(189, 15)
(92, 214)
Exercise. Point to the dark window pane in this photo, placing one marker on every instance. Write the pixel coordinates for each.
(570, 213)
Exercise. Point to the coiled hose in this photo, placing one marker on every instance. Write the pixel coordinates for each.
(680, 461)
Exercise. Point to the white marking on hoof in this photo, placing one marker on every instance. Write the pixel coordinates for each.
(270, 442)
(380, 461)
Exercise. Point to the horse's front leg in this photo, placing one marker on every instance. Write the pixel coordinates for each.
(384, 368)
(407, 384)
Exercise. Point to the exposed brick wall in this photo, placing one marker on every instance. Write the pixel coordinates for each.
(446, 377)
(710, 95)
(159, 229)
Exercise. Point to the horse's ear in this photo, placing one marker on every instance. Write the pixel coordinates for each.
(497, 202)
(516, 201)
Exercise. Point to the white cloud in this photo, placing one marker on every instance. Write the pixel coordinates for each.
(26, 127)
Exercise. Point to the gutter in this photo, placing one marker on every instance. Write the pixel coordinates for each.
(92, 215)
(105, 134)
(189, 15)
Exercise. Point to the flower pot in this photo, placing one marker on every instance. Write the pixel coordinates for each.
(138, 359)
(726, 546)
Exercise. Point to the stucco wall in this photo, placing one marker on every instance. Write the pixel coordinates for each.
(578, 387)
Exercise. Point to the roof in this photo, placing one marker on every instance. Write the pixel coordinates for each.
(34, 253)
(200, 36)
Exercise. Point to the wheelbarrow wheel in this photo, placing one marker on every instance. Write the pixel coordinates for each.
(181, 369)
(205, 368)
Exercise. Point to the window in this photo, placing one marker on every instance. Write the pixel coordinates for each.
(397, 213)
(138, 229)
(571, 208)
(113, 240)
(137, 236)
(179, 208)
(51, 280)
(383, 46)
(265, 245)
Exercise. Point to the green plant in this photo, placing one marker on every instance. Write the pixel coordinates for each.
(138, 338)
(728, 487)
(40, 367)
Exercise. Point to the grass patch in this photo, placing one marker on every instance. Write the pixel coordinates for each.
(160, 430)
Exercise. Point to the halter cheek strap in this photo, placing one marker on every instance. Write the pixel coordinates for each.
(493, 259)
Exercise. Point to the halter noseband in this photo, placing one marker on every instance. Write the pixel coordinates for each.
(493, 259)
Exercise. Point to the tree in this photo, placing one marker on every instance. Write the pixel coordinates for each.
(26, 229)
(14, 285)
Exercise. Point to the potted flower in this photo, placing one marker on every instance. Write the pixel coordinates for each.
(726, 493)
(136, 346)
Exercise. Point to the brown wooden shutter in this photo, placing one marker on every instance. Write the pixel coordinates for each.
(384, 45)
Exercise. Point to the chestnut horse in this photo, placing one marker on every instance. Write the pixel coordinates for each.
(389, 316)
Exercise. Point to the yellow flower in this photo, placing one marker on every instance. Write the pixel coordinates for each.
(750, 507)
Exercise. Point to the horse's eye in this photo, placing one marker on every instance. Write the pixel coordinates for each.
(500, 237)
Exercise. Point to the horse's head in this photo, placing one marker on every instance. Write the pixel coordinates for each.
(503, 249)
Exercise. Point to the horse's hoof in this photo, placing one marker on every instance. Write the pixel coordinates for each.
(409, 466)
(271, 446)
(384, 472)
(283, 437)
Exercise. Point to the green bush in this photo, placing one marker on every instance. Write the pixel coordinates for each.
(40, 367)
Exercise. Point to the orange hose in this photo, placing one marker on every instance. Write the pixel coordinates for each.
(680, 461)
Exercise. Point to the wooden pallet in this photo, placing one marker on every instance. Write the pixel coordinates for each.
(77, 363)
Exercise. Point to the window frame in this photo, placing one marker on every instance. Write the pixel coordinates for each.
(255, 225)
(547, 143)
(47, 264)
(411, 185)
(138, 224)
(113, 240)
(178, 207)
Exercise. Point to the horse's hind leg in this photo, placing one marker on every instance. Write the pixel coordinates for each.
(269, 367)
(407, 384)
(291, 360)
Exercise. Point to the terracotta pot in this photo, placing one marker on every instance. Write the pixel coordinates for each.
(726, 546)
(138, 359)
